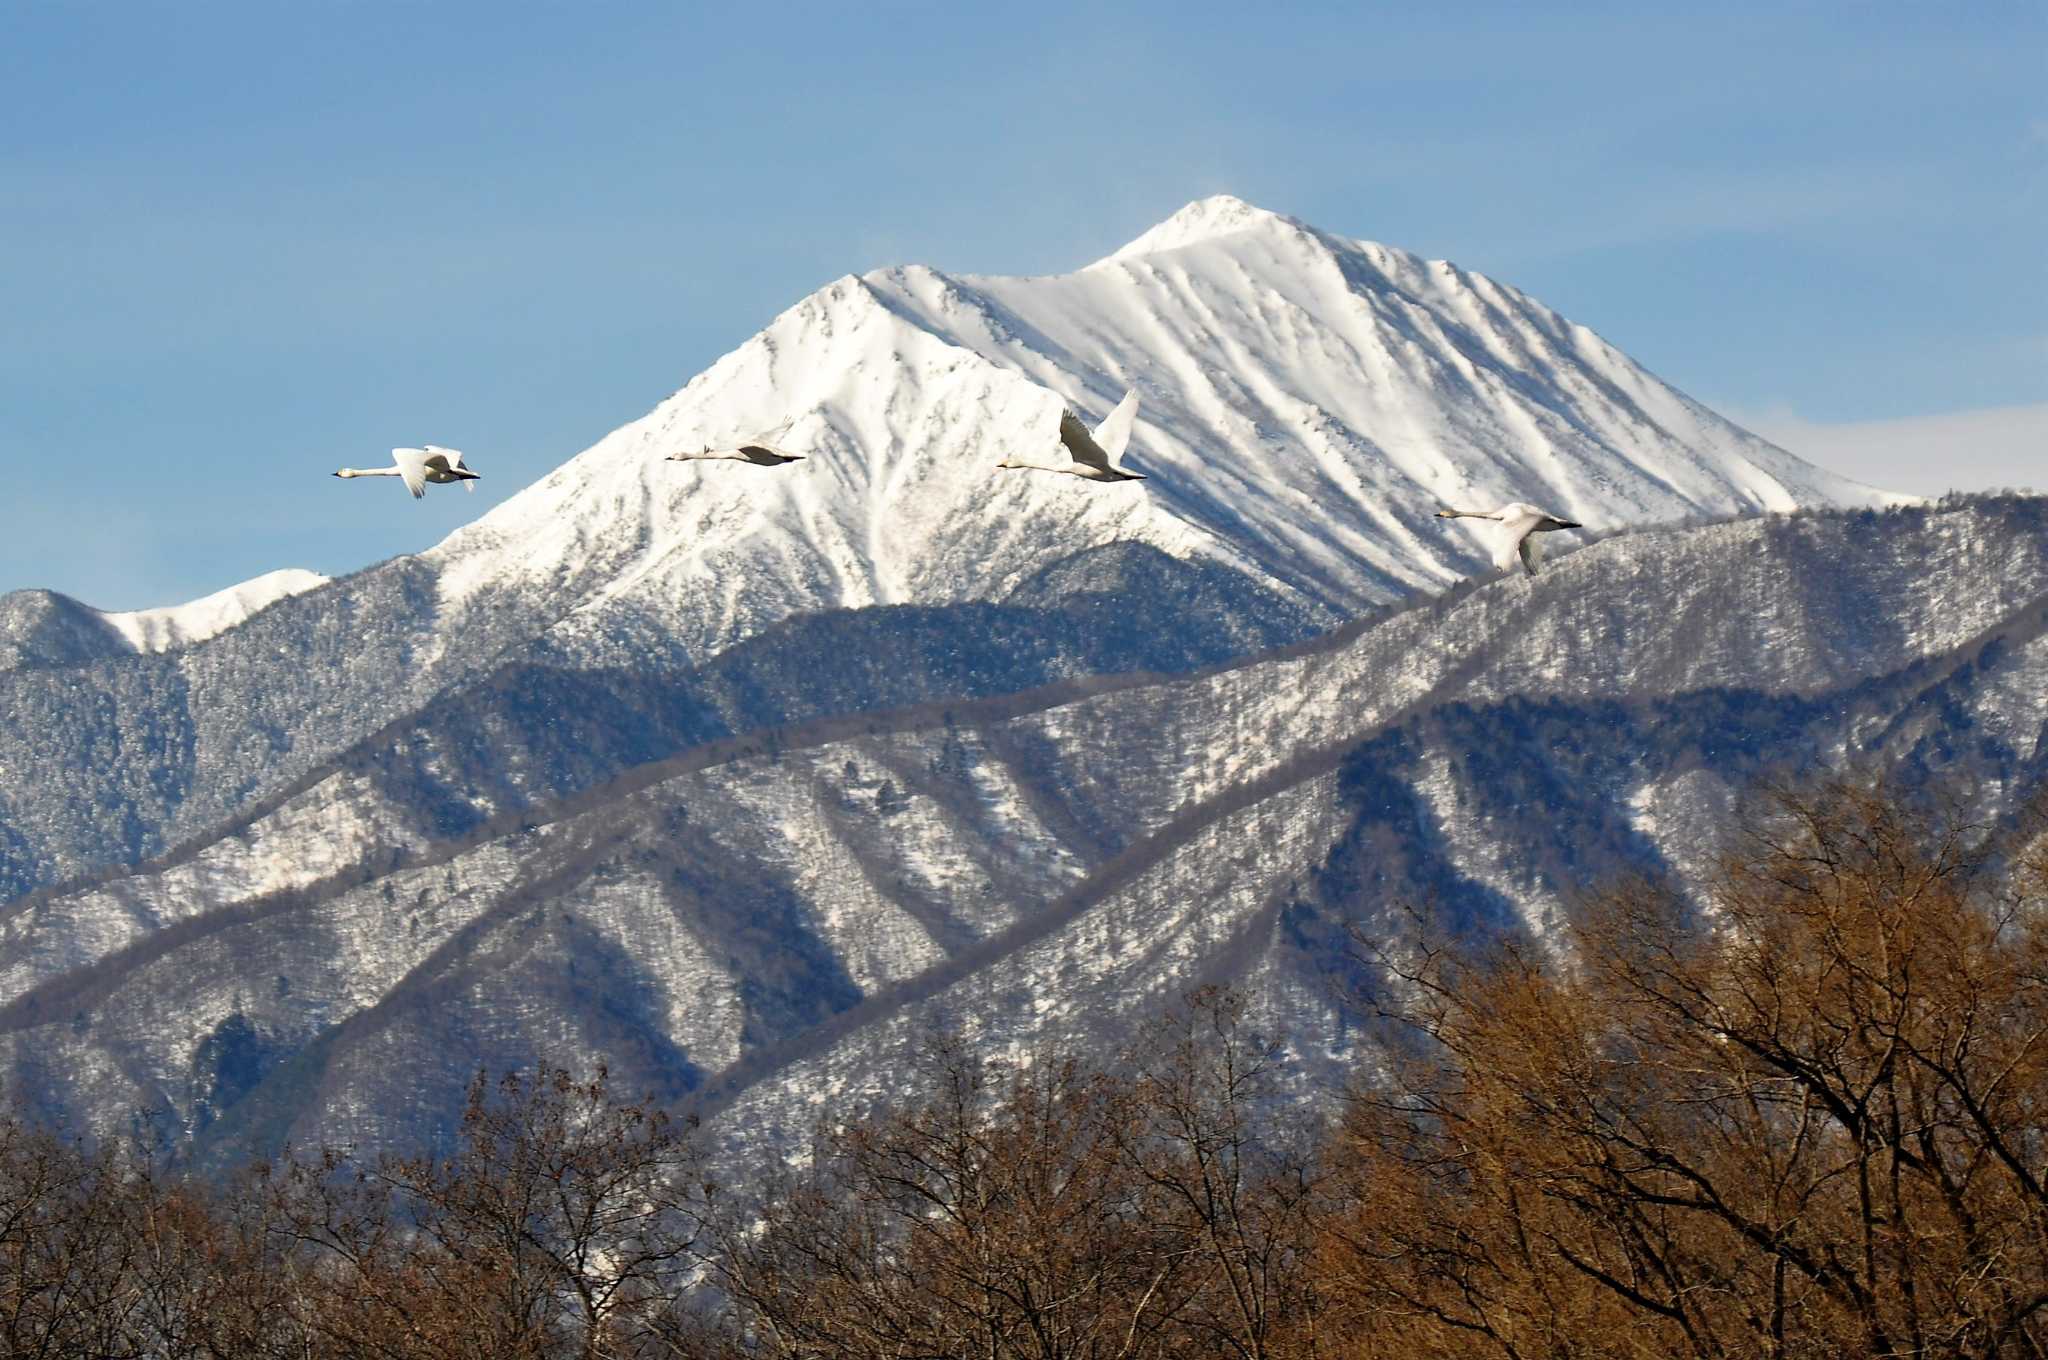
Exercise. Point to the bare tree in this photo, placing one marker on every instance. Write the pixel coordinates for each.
(65, 1249)
(1810, 1123)
(559, 1226)
(1042, 1210)
(102, 1255)
(1206, 1150)
(206, 1277)
(987, 1220)
(566, 1211)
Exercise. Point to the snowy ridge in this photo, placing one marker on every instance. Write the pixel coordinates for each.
(180, 625)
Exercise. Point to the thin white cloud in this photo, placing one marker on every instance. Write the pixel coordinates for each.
(1981, 450)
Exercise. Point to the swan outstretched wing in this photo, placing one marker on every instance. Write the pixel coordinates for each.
(412, 465)
(1114, 433)
(1522, 528)
(1080, 444)
(1101, 448)
(1518, 523)
(455, 464)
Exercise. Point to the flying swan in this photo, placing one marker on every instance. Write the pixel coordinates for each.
(759, 452)
(431, 463)
(1520, 523)
(1094, 455)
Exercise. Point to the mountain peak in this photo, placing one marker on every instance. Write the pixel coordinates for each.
(1202, 220)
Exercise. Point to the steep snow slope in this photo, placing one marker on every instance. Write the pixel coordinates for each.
(1309, 401)
(764, 925)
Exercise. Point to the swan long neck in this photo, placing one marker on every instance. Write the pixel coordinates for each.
(1465, 514)
(369, 472)
(1032, 467)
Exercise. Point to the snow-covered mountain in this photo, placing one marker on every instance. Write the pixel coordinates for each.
(1309, 401)
(765, 926)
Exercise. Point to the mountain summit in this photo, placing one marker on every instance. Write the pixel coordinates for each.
(1202, 220)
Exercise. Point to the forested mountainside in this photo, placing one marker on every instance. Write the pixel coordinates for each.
(761, 926)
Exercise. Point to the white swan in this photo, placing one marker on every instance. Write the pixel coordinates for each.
(1520, 522)
(429, 463)
(759, 452)
(1094, 455)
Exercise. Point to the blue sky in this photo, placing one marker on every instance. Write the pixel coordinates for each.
(242, 244)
